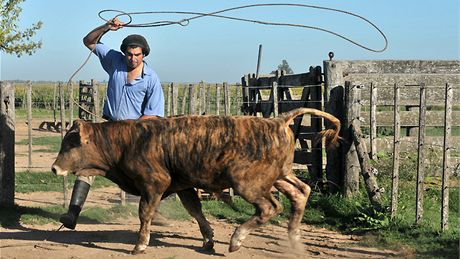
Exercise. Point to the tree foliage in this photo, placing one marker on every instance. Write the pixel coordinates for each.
(284, 66)
(13, 40)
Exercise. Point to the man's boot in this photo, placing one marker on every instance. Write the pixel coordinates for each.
(79, 193)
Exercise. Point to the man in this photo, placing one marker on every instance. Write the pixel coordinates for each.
(133, 92)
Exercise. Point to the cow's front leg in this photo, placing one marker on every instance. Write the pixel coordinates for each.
(149, 201)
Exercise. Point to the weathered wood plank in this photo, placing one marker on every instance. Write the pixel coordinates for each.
(409, 144)
(275, 98)
(420, 158)
(396, 152)
(7, 132)
(370, 181)
(405, 79)
(226, 99)
(446, 158)
(96, 110)
(410, 94)
(352, 112)
(409, 118)
(192, 100)
(400, 66)
(29, 123)
(65, 182)
(290, 80)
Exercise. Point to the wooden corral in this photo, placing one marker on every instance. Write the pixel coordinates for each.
(399, 96)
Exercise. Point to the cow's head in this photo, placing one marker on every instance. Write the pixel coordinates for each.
(77, 150)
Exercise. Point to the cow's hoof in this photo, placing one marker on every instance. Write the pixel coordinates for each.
(137, 251)
(295, 243)
(233, 248)
(208, 247)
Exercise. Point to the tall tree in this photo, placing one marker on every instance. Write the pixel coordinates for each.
(284, 66)
(13, 40)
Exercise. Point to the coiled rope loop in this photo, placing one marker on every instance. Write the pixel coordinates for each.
(218, 14)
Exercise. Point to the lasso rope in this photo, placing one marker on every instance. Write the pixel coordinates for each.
(218, 14)
(197, 15)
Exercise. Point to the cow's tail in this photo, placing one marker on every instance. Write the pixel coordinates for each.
(331, 135)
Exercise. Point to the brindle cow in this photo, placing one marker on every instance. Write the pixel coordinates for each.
(154, 158)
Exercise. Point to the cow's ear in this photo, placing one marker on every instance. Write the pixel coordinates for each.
(75, 126)
(83, 129)
(78, 122)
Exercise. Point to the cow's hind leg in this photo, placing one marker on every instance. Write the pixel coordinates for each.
(297, 192)
(266, 208)
(191, 202)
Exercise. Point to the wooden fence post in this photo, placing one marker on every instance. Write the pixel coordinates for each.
(71, 104)
(173, 105)
(396, 152)
(55, 103)
(370, 181)
(175, 89)
(275, 98)
(96, 114)
(202, 99)
(7, 131)
(192, 98)
(62, 110)
(184, 99)
(168, 101)
(334, 104)
(238, 99)
(446, 158)
(226, 100)
(421, 155)
(218, 99)
(208, 100)
(373, 122)
(352, 113)
(29, 122)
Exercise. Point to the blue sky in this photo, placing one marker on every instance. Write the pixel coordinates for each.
(215, 50)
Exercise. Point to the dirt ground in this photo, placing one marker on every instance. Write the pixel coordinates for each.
(182, 240)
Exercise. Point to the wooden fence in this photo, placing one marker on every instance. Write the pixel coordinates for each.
(370, 98)
(401, 109)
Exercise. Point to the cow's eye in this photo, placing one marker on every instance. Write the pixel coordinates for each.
(71, 140)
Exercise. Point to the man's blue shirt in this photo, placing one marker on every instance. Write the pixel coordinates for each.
(129, 100)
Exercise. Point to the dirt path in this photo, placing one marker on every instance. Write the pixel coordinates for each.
(183, 240)
(179, 241)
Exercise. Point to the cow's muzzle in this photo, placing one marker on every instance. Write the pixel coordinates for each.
(58, 171)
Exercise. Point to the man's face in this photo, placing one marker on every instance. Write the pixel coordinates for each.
(134, 57)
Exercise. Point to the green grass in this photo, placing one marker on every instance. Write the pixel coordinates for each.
(47, 181)
(172, 208)
(13, 216)
(52, 144)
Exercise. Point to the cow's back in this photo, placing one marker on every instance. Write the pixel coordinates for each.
(206, 150)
